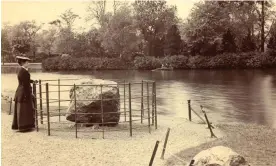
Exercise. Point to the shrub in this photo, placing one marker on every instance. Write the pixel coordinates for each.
(50, 64)
(248, 43)
(114, 64)
(222, 61)
(196, 62)
(147, 63)
(176, 61)
(83, 63)
(226, 60)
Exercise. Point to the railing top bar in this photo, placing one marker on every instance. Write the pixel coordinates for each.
(149, 81)
(118, 80)
(59, 79)
(122, 80)
(132, 83)
(82, 85)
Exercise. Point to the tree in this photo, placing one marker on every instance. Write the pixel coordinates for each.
(65, 37)
(69, 17)
(173, 41)
(22, 48)
(97, 10)
(6, 48)
(263, 14)
(46, 40)
(5, 44)
(209, 20)
(153, 18)
(119, 36)
(228, 42)
(24, 37)
(262, 25)
(117, 5)
(205, 25)
(87, 44)
(79, 45)
(95, 43)
(254, 16)
(248, 43)
(272, 41)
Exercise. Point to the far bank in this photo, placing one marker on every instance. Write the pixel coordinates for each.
(252, 60)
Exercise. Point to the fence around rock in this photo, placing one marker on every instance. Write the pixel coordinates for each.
(137, 111)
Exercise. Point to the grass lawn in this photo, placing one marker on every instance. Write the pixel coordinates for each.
(256, 143)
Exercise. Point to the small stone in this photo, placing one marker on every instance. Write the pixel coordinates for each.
(219, 156)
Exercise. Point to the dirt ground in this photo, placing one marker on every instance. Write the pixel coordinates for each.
(118, 148)
(256, 143)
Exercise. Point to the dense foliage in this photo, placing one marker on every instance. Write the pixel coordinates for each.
(222, 61)
(84, 63)
(272, 42)
(147, 34)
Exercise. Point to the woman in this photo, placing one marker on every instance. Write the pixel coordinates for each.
(23, 119)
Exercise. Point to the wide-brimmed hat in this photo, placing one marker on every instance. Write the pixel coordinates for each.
(23, 58)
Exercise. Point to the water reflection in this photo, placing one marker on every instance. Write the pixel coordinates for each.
(228, 95)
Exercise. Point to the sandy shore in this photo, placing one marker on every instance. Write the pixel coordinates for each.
(62, 148)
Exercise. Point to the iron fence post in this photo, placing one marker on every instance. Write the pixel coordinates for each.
(47, 106)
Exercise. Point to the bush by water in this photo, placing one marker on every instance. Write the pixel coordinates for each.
(222, 61)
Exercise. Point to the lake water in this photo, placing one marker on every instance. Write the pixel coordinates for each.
(229, 96)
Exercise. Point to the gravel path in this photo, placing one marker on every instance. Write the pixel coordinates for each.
(36, 148)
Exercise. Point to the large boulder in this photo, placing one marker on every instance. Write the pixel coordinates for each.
(91, 96)
(219, 156)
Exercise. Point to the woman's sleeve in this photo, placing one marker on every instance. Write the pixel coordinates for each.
(26, 84)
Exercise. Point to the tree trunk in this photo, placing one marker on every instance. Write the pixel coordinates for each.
(262, 32)
(3, 59)
(34, 55)
(252, 30)
(150, 48)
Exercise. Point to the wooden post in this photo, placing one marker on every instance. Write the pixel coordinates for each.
(59, 100)
(125, 99)
(130, 113)
(148, 107)
(142, 101)
(40, 102)
(209, 125)
(165, 143)
(75, 103)
(102, 110)
(189, 110)
(47, 108)
(154, 152)
(152, 103)
(35, 106)
(155, 105)
(10, 106)
(192, 163)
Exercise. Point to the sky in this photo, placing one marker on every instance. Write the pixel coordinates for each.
(43, 11)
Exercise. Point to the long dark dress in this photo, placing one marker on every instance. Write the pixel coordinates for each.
(23, 117)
